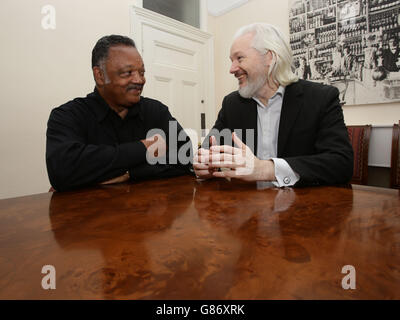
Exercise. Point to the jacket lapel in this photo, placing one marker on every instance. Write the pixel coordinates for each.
(249, 121)
(292, 103)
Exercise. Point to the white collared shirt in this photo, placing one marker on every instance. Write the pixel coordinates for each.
(268, 118)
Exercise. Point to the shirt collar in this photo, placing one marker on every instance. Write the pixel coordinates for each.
(102, 108)
(280, 92)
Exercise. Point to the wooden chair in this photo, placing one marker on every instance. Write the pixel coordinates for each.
(359, 138)
(395, 166)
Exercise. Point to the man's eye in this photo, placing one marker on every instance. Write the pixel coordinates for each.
(126, 74)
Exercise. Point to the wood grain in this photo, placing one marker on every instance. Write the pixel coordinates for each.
(183, 239)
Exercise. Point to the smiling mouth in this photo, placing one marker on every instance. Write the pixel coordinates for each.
(135, 88)
(241, 77)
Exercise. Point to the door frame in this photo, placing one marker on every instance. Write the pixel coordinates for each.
(140, 16)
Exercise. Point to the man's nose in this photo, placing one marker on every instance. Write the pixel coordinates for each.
(137, 78)
(234, 67)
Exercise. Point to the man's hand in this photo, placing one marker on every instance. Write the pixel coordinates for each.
(240, 161)
(201, 168)
(155, 145)
(120, 179)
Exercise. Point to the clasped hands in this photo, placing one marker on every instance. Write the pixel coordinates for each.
(239, 162)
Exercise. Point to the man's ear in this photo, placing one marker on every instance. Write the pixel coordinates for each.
(98, 76)
(270, 58)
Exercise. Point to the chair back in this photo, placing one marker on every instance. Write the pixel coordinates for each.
(395, 167)
(359, 138)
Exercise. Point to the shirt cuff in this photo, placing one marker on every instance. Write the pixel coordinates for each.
(284, 174)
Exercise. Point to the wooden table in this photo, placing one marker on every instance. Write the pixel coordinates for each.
(183, 239)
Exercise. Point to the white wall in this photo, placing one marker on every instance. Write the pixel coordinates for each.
(276, 12)
(41, 69)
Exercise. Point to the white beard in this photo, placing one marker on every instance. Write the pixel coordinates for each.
(253, 86)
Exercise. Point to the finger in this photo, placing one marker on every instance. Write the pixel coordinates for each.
(223, 160)
(200, 166)
(204, 159)
(222, 157)
(237, 141)
(225, 149)
(213, 141)
(115, 180)
(203, 174)
(202, 151)
(111, 181)
(224, 174)
(225, 164)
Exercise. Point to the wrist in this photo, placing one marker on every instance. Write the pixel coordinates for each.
(268, 170)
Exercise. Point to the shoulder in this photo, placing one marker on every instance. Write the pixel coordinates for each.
(234, 99)
(154, 109)
(234, 96)
(312, 89)
(153, 104)
(76, 107)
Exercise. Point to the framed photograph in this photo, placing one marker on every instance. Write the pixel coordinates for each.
(350, 44)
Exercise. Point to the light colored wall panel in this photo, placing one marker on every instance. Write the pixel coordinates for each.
(42, 69)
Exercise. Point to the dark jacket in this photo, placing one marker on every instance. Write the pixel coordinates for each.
(312, 136)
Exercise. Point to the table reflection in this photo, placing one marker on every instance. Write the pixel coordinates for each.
(117, 227)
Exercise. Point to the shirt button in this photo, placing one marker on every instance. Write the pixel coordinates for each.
(286, 180)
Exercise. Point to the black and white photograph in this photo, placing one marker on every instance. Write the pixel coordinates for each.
(350, 44)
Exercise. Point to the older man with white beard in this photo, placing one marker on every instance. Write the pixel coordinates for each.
(283, 130)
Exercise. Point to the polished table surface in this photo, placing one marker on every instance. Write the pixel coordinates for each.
(184, 239)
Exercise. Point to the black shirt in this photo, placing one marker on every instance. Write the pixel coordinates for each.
(390, 60)
(89, 143)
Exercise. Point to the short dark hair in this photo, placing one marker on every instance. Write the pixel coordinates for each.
(100, 50)
(394, 39)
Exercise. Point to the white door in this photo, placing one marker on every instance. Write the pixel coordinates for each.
(177, 60)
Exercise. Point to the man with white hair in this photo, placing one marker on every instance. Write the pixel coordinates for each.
(299, 136)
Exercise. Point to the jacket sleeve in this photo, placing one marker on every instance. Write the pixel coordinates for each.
(147, 171)
(332, 161)
(180, 148)
(72, 162)
(179, 154)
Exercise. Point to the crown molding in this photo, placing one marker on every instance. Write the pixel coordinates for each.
(218, 8)
(178, 26)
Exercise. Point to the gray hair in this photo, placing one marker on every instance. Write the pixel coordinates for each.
(102, 47)
(268, 37)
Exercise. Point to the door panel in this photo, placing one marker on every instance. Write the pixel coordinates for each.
(174, 74)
